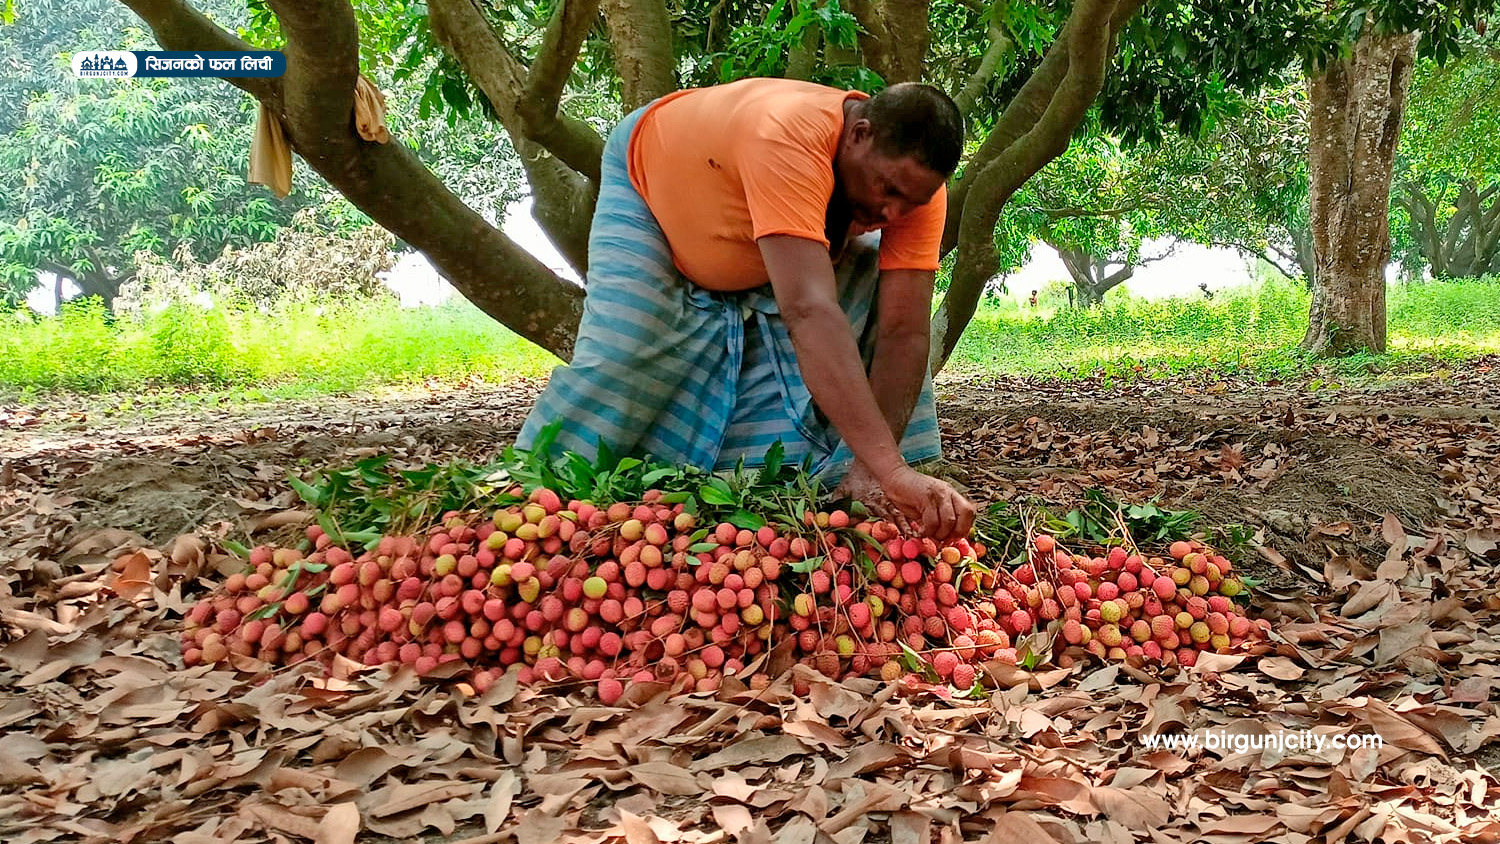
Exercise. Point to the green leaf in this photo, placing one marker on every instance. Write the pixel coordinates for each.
(265, 612)
(325, 522)
(772, 470)
(701, 547)
(807, 565)
(915, 663)
(713, 495)
(869, 540)
(312, 495)
(235, 548)
(651, 478)
(746, 520)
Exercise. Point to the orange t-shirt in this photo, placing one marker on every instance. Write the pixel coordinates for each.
(724, 166)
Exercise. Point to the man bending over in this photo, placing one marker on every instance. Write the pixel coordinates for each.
(732, 301)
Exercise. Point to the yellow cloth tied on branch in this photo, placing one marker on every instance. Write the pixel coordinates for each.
(271, 153)
(369, 112)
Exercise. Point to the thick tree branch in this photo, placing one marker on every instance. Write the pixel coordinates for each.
(999, 44)
(1049, 135)
(387, 181)
(802, 58)
(526, 101)
(179, 23)
(60, 270)
(895, 38)
(1023, 112)
(874, 40)
(907, 22)
(570, 139)
(565, 185)
(641, 33)
(561, 42)
(1090, 32)
(1423, 214)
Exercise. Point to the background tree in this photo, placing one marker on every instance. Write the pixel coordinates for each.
(93, 170)
(1357, 102)
(1446, 216)
(1244, 184)
(1241, 185)
(1095, 206)
(90, 178)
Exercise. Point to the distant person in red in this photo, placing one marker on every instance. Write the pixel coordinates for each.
(1033, 298)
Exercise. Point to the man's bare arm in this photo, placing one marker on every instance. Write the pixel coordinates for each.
(806, 291)
(902, 340)
(802, 279)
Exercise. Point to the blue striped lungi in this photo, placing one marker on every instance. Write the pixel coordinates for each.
(665, 368)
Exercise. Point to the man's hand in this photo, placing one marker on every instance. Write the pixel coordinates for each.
(860, 485)
(912, 499)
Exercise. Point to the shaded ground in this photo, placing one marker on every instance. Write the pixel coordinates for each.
(1374, 508)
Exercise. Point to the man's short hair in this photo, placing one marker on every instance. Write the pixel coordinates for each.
(920, 121)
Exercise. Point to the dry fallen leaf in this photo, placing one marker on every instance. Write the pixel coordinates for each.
(132, 579)
(339, 826)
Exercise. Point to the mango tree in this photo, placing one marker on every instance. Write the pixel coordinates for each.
(1447, 213)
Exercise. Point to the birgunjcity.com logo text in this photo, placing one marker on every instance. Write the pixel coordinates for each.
(1284, 742)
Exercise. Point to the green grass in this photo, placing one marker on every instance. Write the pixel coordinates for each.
(297, 349)
(303, 349)
(1250, 332)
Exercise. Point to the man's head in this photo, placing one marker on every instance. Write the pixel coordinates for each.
(897, 149)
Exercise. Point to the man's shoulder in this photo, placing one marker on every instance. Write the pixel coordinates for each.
(789, 111)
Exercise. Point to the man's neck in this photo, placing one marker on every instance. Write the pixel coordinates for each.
(851, 114)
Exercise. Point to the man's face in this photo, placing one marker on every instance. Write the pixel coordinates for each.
(879, 188)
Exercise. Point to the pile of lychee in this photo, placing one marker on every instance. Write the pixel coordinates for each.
(571, 592)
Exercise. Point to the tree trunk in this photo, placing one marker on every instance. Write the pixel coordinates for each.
(94, 282)
(1307, 259)
(1091, 276)
(895, 37)
(100, 283)
(640, 31)
(1354, 124)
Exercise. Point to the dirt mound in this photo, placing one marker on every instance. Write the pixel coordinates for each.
(152, 497)
(1227, 465)
(165, 491)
